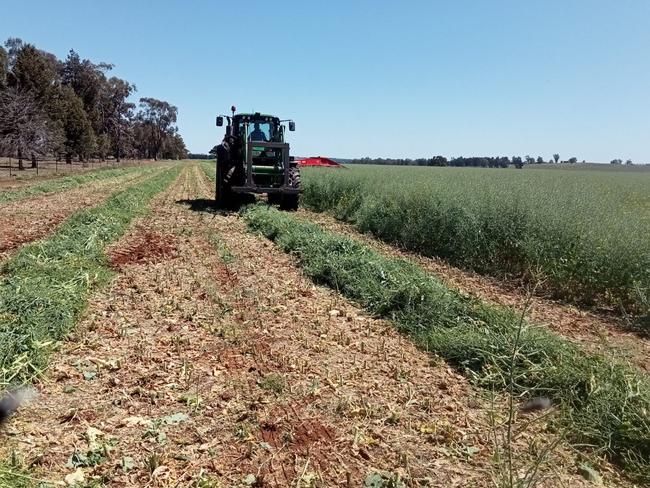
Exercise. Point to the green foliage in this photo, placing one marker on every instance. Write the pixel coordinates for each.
(79, 134)
(15, 474)
(33, 70)
(45, 286)
(156, 123)
(383, 480)
(64, 183)
(272, 382)
(604, 404)
(583, 233)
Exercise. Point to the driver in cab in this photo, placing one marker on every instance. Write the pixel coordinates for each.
(257, 134)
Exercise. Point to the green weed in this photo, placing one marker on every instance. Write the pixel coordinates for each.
(272, 382)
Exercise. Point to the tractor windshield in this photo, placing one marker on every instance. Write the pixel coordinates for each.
(260, 132)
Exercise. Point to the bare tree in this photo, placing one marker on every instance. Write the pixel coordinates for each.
(4, 66)
(24, 128)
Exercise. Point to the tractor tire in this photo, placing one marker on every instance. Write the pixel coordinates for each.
(223, 195)
(289, 202)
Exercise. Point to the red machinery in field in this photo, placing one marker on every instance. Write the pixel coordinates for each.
(318, 161)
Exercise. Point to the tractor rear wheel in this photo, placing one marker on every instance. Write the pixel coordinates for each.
(290, 201)
(222, 195)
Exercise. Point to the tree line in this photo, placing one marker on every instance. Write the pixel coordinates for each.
(477, 161)
(72, 109)
(200, 156)
(211, 155)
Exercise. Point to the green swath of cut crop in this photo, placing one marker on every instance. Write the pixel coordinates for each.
(14, 474)
(604, 404)
(46, 285)
(210, 169)
(583, 233)
(66, 183)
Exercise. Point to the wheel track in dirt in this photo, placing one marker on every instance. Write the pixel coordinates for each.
(595, 332)
(26, 220)
(281, 379)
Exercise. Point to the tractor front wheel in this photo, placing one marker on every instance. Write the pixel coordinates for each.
(290, 201)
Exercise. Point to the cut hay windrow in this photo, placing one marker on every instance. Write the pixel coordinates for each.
(46, 285)
(210, 169)
(603, 404)
(66, 183)
(582, 234)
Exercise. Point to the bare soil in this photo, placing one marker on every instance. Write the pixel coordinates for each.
(212, 361)
(146, 247)
(597, 332)
(11, 184)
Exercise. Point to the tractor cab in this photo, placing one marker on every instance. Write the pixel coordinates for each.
(258, 128)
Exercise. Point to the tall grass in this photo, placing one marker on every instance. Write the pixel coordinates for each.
(46, 285)
(67, 182)
(604, 404)
(587, 232)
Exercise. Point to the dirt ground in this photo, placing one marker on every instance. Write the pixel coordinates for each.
(212, 361)
(598, 332)
(28, 219)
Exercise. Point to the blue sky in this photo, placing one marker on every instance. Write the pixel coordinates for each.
(379, 78)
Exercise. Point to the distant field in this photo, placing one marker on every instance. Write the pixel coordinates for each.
(584, 233)
(591, 167)
(10, 175)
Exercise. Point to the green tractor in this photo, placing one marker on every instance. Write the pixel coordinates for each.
(253, 158)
